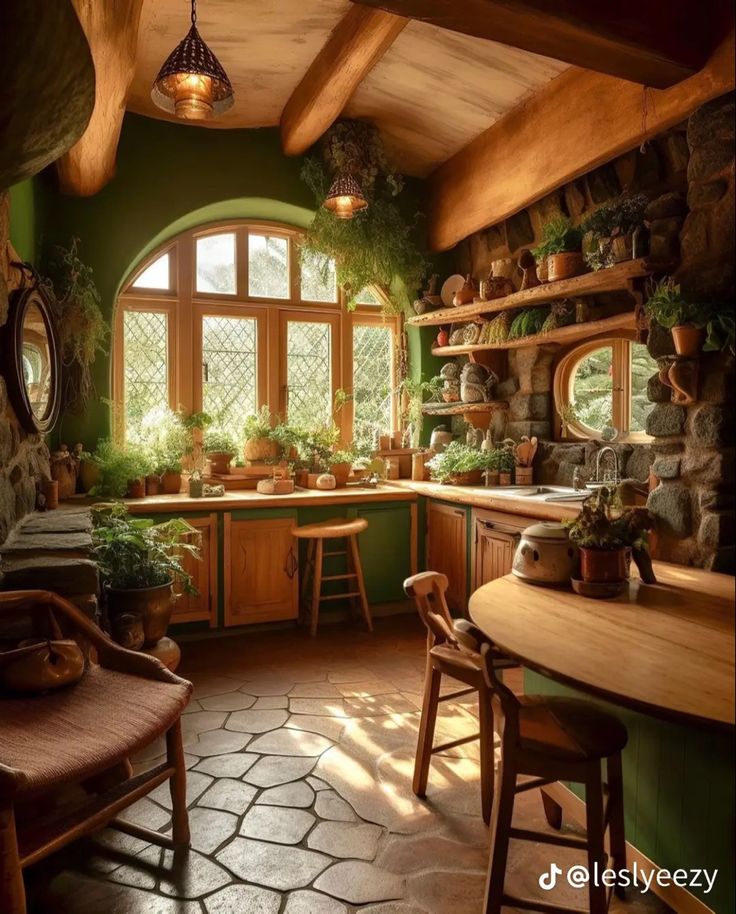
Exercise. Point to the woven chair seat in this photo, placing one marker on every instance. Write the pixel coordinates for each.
(76, 732)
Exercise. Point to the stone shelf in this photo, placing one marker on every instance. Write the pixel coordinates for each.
(617, 278)
(569, 334)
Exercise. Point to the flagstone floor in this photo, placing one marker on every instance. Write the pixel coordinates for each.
(300, 755)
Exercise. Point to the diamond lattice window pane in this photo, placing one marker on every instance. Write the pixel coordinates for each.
(319, 282)
(216, 264)
(309, 372)
(156, 275)
(268, 266)
(146, 356)
(367, 297)
(372, 372)
(230, 371)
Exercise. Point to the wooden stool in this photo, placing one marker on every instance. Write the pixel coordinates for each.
(452, 648)
(554, 739)
(336, 529)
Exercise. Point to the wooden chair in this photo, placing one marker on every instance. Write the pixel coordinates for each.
(84, 734)
(317, 534)
(551, 739)
(452, 649)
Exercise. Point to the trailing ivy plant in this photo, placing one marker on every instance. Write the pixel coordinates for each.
(82, 328)
(378, 245)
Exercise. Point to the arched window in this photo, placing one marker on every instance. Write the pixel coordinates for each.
(231, 317)
(601, 385)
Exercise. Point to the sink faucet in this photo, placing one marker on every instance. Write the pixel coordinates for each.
(616, 477)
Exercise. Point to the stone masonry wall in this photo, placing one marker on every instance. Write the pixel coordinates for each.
(24, 458)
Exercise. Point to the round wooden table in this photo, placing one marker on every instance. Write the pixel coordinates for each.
(664, 649)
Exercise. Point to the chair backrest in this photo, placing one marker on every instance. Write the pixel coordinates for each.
(505, 704)
(428, 589)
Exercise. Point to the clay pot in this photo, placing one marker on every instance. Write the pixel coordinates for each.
(220, 462)
(439, 439)
(565, 266)
(301, 478)
(601, 566)
(171, 483)
(127, 630)
(153, 484)
(687, 339)
(341, 472)
(136, 488)
(473, 478)
(89, 475)
(504, 479)
(50, 491)
(256, 450)
(491, 477)
(153, 605)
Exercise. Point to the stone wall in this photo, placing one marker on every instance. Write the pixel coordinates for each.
(24, 458)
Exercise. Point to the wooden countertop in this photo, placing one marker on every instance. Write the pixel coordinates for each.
(664, 649)
(483, 497)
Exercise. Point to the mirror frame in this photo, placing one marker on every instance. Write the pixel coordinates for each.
(11, 340)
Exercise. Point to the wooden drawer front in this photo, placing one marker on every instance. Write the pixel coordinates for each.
(447, 550)
(261, 580)
(202, 606)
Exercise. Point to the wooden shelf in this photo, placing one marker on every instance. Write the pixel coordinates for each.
(569, 334)
(460, 409)
(614, 279)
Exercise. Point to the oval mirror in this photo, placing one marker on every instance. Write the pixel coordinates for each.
(31, 360)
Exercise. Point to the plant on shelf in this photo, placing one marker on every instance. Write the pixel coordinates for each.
(219, 448)
(603, 531)
(528, 322)
(672, 309)
(122, 470)
(459, 464)
(413, 394)
(163, 434)
(378, 246)
(260, 443)
(341, 465)
(721, 332)
(82, 328)
(615, 229)
(561, 247)
(140, 562)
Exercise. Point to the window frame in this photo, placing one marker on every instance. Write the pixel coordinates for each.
(564, 373)
(185, 306)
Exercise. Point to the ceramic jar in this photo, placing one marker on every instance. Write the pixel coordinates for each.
(545, 555)
(440, 438)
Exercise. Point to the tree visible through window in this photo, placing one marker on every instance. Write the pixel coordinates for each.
(229, 365)
(308, 373)
(592, 388)
(145, 344)
(372, 387)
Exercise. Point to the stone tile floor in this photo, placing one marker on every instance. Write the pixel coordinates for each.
(300, 756)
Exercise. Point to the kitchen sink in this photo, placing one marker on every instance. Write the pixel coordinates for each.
(542, 493)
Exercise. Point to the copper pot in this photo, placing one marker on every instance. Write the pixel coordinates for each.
(220, 462)
(153, 604)
(601, 566)
(565, 266)
(687, 339)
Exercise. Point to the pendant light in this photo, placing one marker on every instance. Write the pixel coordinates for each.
(345, 198)
(192, 83)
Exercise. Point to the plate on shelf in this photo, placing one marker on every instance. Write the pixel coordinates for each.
(449, 287)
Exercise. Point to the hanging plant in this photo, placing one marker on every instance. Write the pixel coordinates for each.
(378, 245)
(82, 328)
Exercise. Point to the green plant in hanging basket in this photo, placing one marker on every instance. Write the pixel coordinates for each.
(379, 245)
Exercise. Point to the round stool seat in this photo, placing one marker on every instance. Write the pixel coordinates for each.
(330, 529)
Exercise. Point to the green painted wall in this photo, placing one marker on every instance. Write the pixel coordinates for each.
(23, 227)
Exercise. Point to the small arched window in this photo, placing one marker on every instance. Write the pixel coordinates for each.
(229, 318)
(601, 386)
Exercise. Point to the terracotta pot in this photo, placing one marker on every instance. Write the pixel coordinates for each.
(89, 475)
(341, 472)
(153, 605)
(136, 488)
(473, 478)
(543, 270)
(565, 266)
(504, 479)
(50, 491)
(256, 450)
(220, 462)
(153, 484)
(171, 483)
(491, 478)
(600, 566)
(524, 476)
(301, 478)
(687, 339)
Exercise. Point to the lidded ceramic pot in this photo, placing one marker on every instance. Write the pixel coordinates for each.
(545, 555)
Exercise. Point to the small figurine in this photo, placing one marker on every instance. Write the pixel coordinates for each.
(476, 383)
(466, 294)
(528, 266)
(451, 382)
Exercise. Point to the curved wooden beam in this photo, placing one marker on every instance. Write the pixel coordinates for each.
(359, 40)
(577, 122)
(47, 85)
(112, 32)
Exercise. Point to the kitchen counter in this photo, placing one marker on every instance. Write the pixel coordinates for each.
(506, 499)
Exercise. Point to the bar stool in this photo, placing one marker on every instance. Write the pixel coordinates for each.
(551, 739)
(452, 649)
(317, 534)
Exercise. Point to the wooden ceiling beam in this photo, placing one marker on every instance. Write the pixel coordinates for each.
(656, 42)
(577, 122)
(357, 43)
(112, 33)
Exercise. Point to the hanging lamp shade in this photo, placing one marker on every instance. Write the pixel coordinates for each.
(192, 83)
(345, 198)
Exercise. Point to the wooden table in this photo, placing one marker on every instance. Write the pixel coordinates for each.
(665, 650)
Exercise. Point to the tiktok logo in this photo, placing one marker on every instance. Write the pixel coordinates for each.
(548, 881)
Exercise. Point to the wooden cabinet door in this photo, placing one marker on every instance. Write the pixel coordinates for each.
(202, 606)
(446, 550)
(495, 538)
(261, 580)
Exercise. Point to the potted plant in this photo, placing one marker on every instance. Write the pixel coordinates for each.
(616, 228)
(459, 465)
(491, 472)
(219, 449)
(122, 471)
(340, 464)
(671, 309)
(413, 394)
(140, 562)
(260, 445)
(604, 531)
(562, 248)
(721, 331)
(505, 461)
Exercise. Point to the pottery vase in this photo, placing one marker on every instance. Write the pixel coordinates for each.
(565, 266)
(687, 339)
(603, 566)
